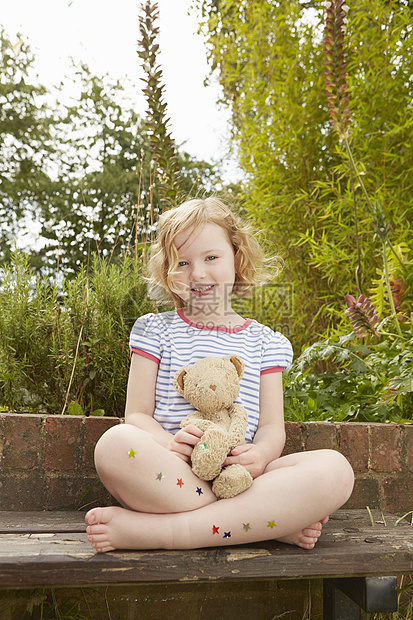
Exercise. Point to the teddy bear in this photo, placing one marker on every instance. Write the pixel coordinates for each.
(211, 385)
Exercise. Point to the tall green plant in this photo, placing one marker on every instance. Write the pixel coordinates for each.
(338, 102)
(269, 58)
(64, 346)
(168, 177)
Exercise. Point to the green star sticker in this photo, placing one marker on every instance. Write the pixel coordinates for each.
(271, 524)
(246, 527)
(203, 446)
(160, 476)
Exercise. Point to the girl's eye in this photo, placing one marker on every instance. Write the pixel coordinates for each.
(211, 257)
(182, 263)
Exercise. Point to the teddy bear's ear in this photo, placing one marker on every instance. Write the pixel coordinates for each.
(238, 363)
(179, 380)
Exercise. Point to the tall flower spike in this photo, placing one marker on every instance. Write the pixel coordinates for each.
(362, 315)
(336, 82)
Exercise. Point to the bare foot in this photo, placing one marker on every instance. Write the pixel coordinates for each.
(307, 537)
(117, 528)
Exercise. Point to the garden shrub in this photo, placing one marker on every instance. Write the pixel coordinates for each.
(64, 343)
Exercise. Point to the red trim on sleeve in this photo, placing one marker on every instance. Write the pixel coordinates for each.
(144, 354)
(275, 369)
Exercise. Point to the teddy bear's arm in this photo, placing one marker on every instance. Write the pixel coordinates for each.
(200, 422)
(238, 425)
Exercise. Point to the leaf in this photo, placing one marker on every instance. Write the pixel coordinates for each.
(74, 408)
(347, 338)
(361, 348)
(98, 412)
(358, 365)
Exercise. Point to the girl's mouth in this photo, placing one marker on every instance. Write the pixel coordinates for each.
(200, 291)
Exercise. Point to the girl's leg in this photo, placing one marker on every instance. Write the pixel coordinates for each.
(294, 492)
(143, 476)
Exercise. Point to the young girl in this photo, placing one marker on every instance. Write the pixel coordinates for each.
(204, 254)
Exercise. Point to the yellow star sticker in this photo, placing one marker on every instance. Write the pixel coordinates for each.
(131, 453)
(271, 524)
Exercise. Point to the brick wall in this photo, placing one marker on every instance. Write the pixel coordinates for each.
(46, 462)
(380, 454)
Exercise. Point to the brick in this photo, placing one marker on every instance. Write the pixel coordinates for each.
(320, 435)
(22, 441)
(69, 492)
(408, 446)
(366, 492)
(385, 455)
(22, 490)
(63, 440)
(398, 494)
(294, 439)
(354, 445)
(94, 429)
(2, 437)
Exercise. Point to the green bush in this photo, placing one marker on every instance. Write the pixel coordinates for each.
(360, 382)
(64, 343)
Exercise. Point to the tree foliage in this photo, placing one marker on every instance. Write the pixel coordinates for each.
(25, 139)
(270, 61)
(81, 169)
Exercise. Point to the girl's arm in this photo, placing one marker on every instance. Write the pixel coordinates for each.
(269, 439)
(140, 407)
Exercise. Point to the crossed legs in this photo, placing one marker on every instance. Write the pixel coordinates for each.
(168, 507)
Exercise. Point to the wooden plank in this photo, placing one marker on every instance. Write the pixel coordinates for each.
(29, 522)
(61, 521)
(349, 546)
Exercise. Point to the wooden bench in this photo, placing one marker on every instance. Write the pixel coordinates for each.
(357, 561)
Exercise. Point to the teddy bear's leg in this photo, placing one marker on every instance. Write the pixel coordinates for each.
(232, 481)
(209, 454)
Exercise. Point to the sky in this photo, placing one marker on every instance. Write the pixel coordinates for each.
(104, 34)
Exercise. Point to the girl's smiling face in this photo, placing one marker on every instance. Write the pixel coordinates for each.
(206, 273)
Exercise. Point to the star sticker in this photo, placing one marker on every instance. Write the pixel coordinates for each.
(203, 446)
(227, 535)
(180, 483)
(131, 453)
(214, 530)
(246, 527)
(160, 476)
(199, 491)
(271, 524)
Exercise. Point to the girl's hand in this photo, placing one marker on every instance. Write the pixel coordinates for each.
(183, 442)
(248, 455)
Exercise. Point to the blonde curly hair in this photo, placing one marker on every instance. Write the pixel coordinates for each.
(252, 266)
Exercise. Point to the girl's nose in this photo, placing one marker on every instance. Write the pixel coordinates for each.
(198, 272)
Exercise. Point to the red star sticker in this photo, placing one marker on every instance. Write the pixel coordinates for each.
(214, 530)
(180, 483)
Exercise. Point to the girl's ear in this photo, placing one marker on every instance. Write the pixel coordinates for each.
(179, 380)
(238, 363)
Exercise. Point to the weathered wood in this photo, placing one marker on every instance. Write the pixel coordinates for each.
(30, 522)
(52, 549)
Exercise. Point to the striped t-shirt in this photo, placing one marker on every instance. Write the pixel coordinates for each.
(172, 341)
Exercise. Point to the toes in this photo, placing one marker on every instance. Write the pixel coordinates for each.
(90, 517)
(96, 529)
(311, 533)
(98, 515)
(104, 549)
